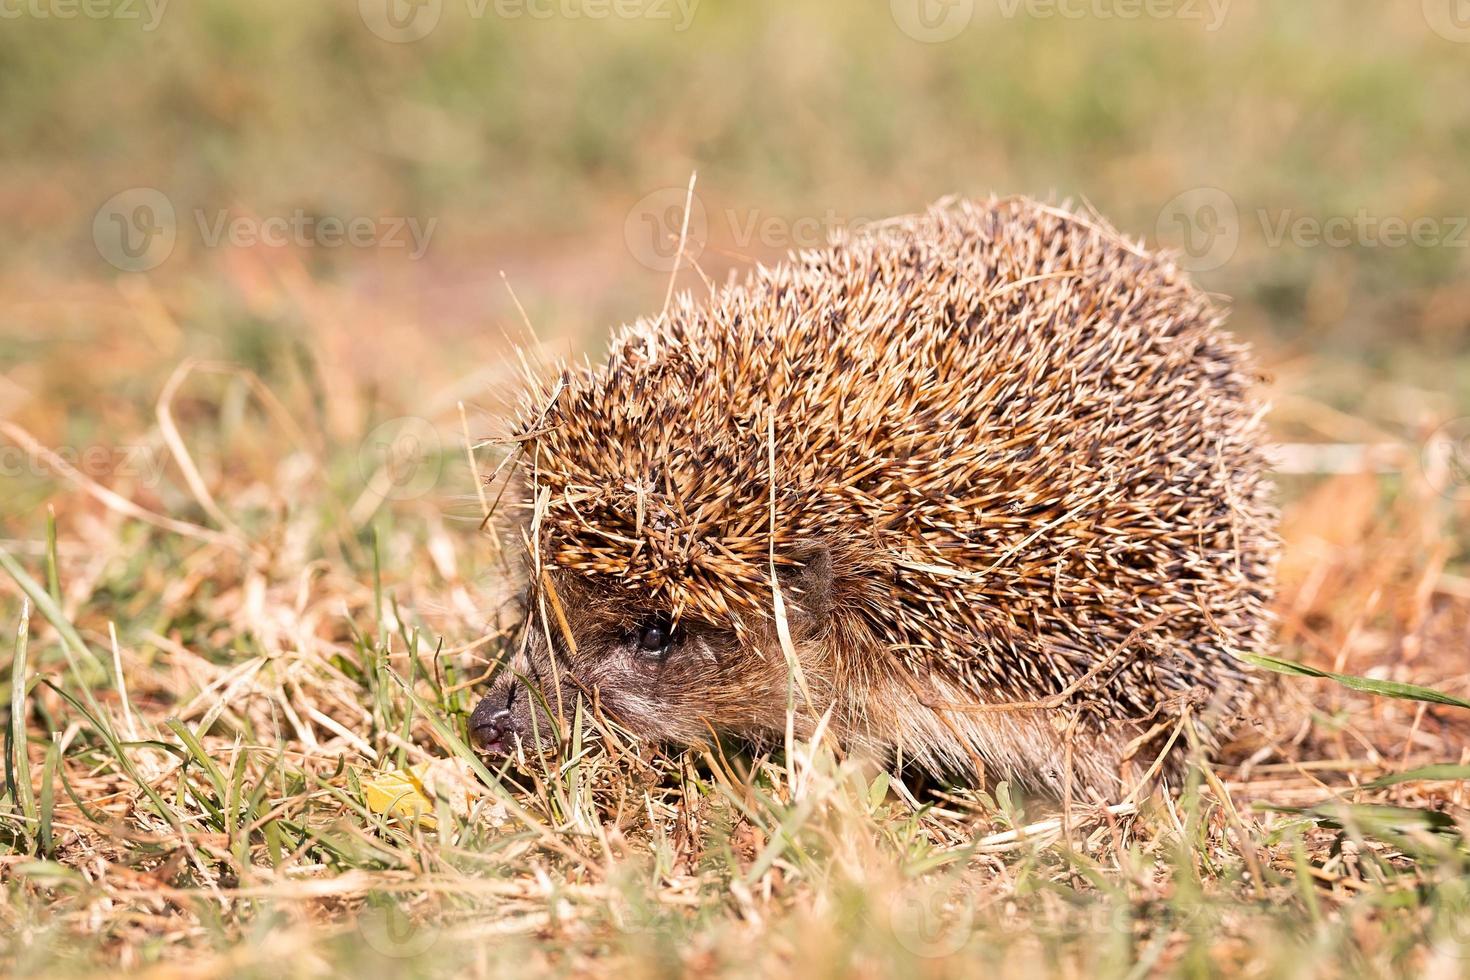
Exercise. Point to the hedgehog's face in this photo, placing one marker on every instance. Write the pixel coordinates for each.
(659, 679)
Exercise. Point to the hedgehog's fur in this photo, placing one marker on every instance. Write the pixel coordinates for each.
(1026, 445)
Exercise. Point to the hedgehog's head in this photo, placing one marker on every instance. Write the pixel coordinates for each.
(656, 513)
(661, 677)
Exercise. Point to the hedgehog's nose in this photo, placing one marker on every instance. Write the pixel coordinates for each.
(490, 728)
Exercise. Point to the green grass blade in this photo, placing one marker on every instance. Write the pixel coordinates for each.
(71, 641)
(1387, 689)
(48, 796)
(201, 755)
(1375, 819)
(378, 589)
(232, 801)
(53, 576)
(1304, 885)
(17, 763)
(116, 747)
(1423, 773)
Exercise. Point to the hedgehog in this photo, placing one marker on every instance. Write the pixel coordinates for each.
(980, 491)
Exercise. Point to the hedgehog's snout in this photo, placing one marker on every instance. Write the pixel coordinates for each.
(502, 722)
(492, 729)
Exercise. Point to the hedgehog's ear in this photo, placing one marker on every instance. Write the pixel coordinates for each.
(806, 586)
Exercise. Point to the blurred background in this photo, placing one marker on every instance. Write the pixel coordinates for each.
(349, 199)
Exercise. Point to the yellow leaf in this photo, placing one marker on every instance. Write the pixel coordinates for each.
(400, 793)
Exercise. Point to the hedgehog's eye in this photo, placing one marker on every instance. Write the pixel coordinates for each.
(653, 639)
(655, 636)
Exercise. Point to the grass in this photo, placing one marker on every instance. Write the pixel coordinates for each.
(210, 674)
(241, 576)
